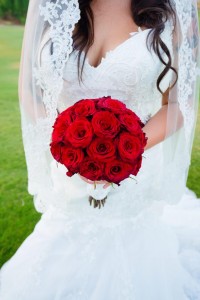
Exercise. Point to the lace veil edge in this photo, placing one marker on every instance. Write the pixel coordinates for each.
(40, 86)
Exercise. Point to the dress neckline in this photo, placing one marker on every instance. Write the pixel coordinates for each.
(132, 34)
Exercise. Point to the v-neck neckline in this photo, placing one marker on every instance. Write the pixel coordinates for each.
(103, 58)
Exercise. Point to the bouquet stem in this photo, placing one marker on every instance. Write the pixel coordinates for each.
(97, 203)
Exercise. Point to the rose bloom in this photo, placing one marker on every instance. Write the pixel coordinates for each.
(102, 149)
(137, 165)
(105, 124)
(56, 151)
(108, 103)
(134, 116)
(79, 133)
(72, 157)
(143, 138)
(84, 108)
(91, 169)
(61, 124)
(59, 132)
(116, 171)
(66, 117)
(133, 126)
(129, 147)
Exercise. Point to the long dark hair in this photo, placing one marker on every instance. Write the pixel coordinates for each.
(148, 13)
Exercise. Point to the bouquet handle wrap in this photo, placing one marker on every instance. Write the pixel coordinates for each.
(97, 194)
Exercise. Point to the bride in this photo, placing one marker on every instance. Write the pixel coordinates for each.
(144, 243)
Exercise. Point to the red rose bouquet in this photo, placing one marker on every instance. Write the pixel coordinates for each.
(100, 139)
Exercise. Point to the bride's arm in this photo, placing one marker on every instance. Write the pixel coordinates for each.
(155, 128)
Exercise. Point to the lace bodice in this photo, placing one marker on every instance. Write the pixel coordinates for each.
(128, 73)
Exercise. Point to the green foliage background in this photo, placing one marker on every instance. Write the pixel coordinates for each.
(13, 9)
(17, 214)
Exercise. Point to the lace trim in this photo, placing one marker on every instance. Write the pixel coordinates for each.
(36, 145)
(62, 15)
(187, 64)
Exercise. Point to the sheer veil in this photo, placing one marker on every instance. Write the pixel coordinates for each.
(40, 84)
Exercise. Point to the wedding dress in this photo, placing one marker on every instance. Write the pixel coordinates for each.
(136, 247)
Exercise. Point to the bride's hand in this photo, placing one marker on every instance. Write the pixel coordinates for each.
(106, 183)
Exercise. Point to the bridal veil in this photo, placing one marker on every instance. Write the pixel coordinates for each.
(53, 21)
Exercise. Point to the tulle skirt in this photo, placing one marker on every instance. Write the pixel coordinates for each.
(154, 257)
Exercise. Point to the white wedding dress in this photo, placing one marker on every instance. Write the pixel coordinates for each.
(137, 247)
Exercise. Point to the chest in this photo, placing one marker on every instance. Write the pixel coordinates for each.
(112, 23)
(130, 65)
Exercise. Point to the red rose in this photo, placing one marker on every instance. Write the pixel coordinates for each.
(130, 123)
(129, 147)
(105, 124)
(143, 138)
(72, 157)
(61, 124)
(134, 116)
(59, 132)
(116, 171)
(137, 165)
(84, 108)
(115, 106)
(102, 149)
(79, 133)
(56, 151)
(67, 116)
(92, 169)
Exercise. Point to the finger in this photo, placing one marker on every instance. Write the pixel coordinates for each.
(86, 180)
(106, 185)
(89, 181)
(101, 181)
(96, 182)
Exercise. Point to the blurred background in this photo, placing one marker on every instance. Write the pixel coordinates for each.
(13, 10)
(17, 214)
